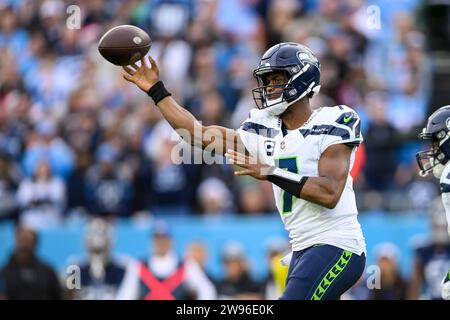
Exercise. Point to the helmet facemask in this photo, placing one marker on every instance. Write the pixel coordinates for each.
(433, 159)
(274, 102)
(285, 93)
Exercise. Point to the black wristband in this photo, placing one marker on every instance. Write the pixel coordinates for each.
(294, 187)
(158, 92)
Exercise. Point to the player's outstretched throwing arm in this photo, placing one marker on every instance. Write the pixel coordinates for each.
(218, 138)
(325, 190)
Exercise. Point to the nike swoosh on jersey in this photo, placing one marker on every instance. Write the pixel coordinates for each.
(347, 119)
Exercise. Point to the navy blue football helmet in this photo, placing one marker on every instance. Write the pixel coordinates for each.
(302, 70)
(437, 130)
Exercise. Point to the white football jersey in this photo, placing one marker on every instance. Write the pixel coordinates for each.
(299, 151)
(445, 190)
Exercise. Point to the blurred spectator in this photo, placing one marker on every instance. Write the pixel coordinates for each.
(253, 200)
(171, 188)
(211, 109)
(13, 124)
(179, 11)
(237, 18)
(41, 198)
(174, 57)
(276, 280)
(76, 184)
(204, 71)
(381, 144)
(203, 30)
(392, 285)
(243, 106)
(101, 275)
(81, 128)
(45, 142)
(237, 283)
(98, 12)
(198, 252)
(9, 180)
(51, 14)
(25, 275)
(432, 257)
(108, 188)
(68, 44)
(214, 197)
(163, 276)
(280, 15)
(136, 162)
(11, 35)
(420, 189)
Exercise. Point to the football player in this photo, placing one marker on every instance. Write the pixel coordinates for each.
(435, 160)
(306, 154)
(431, 256)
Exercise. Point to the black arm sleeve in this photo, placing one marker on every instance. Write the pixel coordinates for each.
(289, 182)
(158, 92)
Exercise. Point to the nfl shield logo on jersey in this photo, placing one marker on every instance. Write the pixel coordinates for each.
(270, 147)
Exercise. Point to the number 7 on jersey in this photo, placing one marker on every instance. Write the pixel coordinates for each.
(289, 164)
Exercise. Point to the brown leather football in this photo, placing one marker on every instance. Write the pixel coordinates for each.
(124, 45)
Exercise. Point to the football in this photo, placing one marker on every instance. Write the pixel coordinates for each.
(124, 45)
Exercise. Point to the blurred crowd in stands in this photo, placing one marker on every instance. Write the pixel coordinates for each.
(77, 140)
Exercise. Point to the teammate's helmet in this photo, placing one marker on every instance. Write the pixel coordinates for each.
(301, 68)
(438, 131)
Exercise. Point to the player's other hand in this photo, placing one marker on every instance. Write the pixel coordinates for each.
(446, 286)
(144, 76)
(250, 166)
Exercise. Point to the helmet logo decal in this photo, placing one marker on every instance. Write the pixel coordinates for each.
(447, 123)
(306, 55)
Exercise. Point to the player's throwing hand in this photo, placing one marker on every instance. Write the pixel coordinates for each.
(144, 76)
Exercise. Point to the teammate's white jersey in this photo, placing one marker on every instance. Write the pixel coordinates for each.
(445, 190)
(299, 151)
